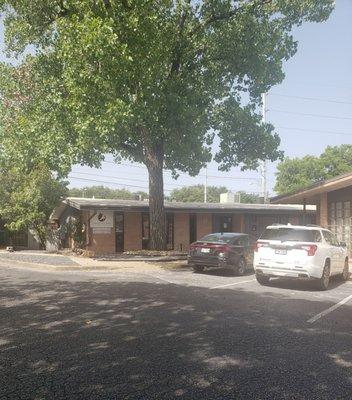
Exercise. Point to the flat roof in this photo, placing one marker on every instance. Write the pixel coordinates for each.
(311, 194)
(136, 205)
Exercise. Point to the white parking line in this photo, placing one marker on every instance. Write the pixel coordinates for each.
(231, 284)
(329, 310)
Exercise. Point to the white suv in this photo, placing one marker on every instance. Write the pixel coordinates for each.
(300, 252)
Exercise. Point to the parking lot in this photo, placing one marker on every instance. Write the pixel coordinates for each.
(164, 332)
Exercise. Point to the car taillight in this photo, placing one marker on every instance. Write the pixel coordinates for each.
(222, 250)
(311, 249)
(258, 244)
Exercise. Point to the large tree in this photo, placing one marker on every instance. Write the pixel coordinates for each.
(152, 81)
(295, 173)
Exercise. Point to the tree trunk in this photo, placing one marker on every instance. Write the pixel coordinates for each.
(154, 163)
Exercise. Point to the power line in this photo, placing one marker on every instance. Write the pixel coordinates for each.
(185, 174)
(310, 115)
(114, 177)
(311, 98)
(315, 131)
(127, 185)
(310, 83)
(109, 182)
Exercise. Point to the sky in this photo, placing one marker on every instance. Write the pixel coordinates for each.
(311, 109)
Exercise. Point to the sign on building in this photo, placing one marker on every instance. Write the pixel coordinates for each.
(102, 219)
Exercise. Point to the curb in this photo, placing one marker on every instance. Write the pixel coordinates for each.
(79, 267)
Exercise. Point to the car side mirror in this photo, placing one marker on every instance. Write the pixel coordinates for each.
(343, 244)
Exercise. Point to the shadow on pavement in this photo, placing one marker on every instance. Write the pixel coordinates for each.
(303, 284)
(91, 340)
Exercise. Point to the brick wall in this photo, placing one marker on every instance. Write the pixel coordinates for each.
(181, 231)
(132, 231)
(204, 224)
(238, 223)
(99, 243)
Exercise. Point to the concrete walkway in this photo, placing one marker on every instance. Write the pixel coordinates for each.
(59, 262)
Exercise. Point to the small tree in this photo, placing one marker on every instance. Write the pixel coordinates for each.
(27, 200)
(151, 81)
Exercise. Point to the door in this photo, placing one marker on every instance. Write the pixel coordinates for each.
(119, 232)
(192, 228)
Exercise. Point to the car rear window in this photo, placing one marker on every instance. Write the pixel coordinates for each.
(292, 235)
(219, 238)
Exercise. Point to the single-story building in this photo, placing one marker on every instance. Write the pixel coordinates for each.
(112, 226)
(333, 201)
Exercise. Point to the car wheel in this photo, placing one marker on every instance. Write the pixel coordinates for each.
(262, 279)
(241, 267)
(198, 268)
(323, 282)
(346, 271)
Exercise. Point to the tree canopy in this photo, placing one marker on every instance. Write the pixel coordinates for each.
(295, 173)
(152, 81)
(27, 200)
(195, 193)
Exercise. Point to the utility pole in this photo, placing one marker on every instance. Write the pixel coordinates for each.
(263, 168)
(205, 184)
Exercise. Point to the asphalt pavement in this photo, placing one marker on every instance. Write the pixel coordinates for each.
(171, 334)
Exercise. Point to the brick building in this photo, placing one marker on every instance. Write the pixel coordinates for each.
(333, 204)
(123, 225)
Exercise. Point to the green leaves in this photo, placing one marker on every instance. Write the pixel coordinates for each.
(119, 77)
(244, 139)
(29, 199)
(195, 193)
(296, 173)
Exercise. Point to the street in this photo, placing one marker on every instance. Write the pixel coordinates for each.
(171, 334)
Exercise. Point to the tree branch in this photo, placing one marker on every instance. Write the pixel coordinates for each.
(228, 15)
(175, 66)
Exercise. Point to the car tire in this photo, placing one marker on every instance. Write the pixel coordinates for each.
(198, 268)
(346, 271)
(241, 267)
(262, 279)
(323, 282)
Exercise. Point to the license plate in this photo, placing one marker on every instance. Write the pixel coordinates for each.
(205, 250)
(280, 251)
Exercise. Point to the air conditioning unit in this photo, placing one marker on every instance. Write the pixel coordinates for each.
(230, 197)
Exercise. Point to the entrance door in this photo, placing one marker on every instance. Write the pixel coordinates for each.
(192, 228)
(119, 225)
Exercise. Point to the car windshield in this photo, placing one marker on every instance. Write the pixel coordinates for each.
(217, 237)
(292, 235)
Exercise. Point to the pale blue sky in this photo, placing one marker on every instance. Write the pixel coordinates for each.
(321, 69)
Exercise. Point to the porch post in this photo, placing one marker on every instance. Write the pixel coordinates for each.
(323, 212)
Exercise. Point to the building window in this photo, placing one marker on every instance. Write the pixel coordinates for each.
(145, 231)
(170, 231)
(222, 223)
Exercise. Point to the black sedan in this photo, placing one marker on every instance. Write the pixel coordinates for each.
(223, 250)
